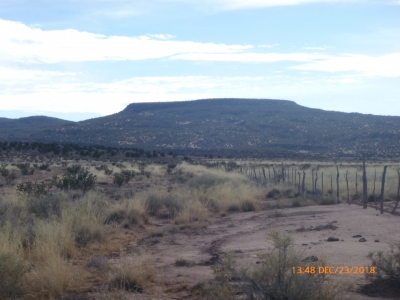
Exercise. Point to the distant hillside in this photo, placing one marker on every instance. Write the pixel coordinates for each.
(23, 128)
(247, 127)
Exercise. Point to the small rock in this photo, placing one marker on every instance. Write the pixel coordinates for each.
(304, 244)
(258, 262)
(377, 241)
(334, 221)
(357, 236)
(362, 240)
(332, 239)
(311, 258)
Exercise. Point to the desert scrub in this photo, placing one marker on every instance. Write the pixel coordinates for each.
(192, 211)
(387, 265)
(134, 276)
(275, 279)
(51, 279)
(127, 211)
(12, 271)
(225, 192)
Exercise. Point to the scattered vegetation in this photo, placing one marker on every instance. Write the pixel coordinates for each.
(59, 221)
(273, 278)
(75, 178)
(387, 265)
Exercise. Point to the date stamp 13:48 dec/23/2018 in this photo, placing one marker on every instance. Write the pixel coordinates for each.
(334, 270)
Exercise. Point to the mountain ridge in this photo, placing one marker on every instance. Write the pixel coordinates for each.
(249, 127)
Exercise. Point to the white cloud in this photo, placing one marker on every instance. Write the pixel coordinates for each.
(268, 46)
(250, 57)
(14, 75)
(20, 43)
(314, 48)
(241, 4)
(161, 36)
(385, 65)
(23, 44)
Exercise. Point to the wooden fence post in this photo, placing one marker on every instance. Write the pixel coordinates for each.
(299, 183)
(312, 180)
(337, 185)
(373, 193)
(322, 180)
(357, 185)
(348, 190)
(382, 198)
(365, 190)
(398, 193)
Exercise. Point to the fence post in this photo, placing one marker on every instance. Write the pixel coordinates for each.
(398, 193)
(383, 189)
(365, 190)
(337, 184)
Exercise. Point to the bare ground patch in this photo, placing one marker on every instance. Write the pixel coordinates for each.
(184, 259)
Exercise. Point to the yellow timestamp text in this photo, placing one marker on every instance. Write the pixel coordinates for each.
(334, 270)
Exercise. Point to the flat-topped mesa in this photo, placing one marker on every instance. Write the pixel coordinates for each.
(212, 103)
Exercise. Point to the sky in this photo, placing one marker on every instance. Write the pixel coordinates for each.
(80, 59)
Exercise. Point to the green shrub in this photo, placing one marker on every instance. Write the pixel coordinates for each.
(123, 177)
(75, 178)
(8, 176)
(118, 179)
(170, 168)
(26, 169)
(29, 188)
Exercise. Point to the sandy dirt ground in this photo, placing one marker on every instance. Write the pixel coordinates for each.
(245, 235)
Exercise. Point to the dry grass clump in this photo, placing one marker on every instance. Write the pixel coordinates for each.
(193, 211)
(134, 276)
(12, 271)
(224, 192)
(42, 237)
(51, 279)
(127, 212)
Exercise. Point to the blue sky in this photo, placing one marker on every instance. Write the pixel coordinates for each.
(82, 59)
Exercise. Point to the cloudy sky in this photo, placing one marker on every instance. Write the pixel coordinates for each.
(78, 59)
